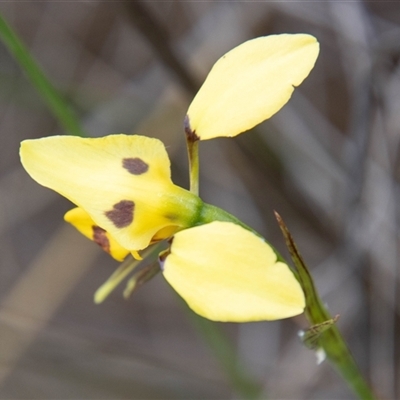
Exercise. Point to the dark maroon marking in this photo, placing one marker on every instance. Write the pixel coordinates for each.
(99, 237)
(136, 166)
(122, 213)
(191, 135)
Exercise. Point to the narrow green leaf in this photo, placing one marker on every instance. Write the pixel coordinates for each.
(50, 94)
(127, 266)
(330, 340)
(143, 271)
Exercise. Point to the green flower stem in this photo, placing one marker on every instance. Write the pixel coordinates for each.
(129, 265)
(141, 277)
(210, 213)
(193, 153)
(192, 143)
(330, 340)
(53, 98)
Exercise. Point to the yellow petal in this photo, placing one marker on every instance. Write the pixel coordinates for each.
(226, 273)
(123, 183)
(81, 220)
(251, 83)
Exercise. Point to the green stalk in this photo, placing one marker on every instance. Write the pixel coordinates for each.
(50, 94)
(330, 340)
(193, 151)
(192, 143)
(210, 213)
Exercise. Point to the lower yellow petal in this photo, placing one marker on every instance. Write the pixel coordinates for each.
(226, 273)
(81, 220)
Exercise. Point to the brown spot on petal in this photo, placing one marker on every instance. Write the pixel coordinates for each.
(122, 213)
(136, 166)
(100, 237)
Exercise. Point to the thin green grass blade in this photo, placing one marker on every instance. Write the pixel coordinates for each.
(330, 340)
(50, 94)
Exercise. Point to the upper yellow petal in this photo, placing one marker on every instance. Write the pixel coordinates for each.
(226, 273)
(123, 183)
(251, 83)
(81, 220)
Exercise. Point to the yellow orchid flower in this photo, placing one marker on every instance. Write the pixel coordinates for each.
(221, 269)
(126, 200)
(250, 83)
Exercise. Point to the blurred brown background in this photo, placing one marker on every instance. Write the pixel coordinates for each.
(328, 163)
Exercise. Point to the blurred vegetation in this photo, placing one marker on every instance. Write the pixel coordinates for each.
(328, 163)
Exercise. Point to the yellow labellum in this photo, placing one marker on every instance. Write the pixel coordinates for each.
(122, 181)
(226, 273)
(251, 83)
(81, 220)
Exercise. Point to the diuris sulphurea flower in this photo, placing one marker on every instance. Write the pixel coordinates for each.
(126, 201)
